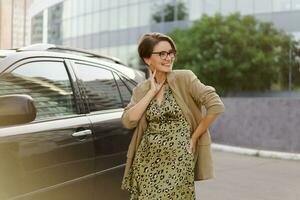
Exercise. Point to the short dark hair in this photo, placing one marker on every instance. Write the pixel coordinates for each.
(149, 40)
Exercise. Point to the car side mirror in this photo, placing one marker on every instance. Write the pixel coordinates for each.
(16, 109)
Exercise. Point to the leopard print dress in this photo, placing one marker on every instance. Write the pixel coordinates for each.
(163, 168)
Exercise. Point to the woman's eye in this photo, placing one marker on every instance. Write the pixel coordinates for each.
(164, 53)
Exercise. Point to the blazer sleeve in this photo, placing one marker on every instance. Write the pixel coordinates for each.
(127, 123)
(204, 95)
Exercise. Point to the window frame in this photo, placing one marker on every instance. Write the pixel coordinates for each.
(86, 98)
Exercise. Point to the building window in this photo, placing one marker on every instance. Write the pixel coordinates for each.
(55, 24)
(296, 4)
(195, 9)
(245, 7)
(262, 6)
(281, 5)
(212, 7)
(228, 7)
(37, 28)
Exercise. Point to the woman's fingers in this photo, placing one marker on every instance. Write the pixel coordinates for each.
(152, 79)
(150, 72)
(154, 85)
(191, 147)
(153, 75)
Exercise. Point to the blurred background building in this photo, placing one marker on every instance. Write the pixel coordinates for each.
(113, 27)
(14, 23)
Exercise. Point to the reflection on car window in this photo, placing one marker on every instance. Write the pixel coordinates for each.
(47, 83)
(125, 90)
(100, 87)
(128, 83)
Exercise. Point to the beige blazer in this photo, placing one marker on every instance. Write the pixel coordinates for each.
(191, 95)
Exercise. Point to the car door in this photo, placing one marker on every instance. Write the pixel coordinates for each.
(53, 156)
(111, 139)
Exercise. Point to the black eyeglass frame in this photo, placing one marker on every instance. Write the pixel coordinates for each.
(164, 54)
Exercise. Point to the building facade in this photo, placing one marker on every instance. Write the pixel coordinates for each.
(113, 27)
(14, 23)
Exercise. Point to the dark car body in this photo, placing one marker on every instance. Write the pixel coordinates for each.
(75, 148)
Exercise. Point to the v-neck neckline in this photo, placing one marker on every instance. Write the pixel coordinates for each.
(163, 98)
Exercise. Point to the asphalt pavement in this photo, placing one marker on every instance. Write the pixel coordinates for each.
(244, 177)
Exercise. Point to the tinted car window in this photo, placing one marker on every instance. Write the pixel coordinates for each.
(125, 90)
(128, 83)
(47, 83)
(100, 87)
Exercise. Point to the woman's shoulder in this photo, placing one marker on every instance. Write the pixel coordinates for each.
(183, 74)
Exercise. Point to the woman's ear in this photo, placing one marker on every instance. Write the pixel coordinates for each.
(147, 61)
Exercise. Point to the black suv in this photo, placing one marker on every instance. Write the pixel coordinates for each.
(61, 135)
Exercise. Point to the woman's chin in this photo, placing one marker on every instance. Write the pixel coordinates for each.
(167, 69)
(164, 69)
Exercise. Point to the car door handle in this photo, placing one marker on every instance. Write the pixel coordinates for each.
(82, 133)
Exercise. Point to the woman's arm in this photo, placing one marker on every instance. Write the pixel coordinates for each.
(132, 115)
(202, 127)
(134, 111)
(207, 96)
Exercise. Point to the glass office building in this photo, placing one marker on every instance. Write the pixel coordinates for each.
(14, 23)
(113, 27)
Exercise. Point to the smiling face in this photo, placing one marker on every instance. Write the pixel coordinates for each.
(156, 62)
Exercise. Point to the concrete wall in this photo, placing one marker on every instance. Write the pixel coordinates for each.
(265, 123)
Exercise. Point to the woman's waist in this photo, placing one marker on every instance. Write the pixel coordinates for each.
(164, 122)
(165, 125)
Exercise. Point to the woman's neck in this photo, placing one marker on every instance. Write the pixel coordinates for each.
(160, 77)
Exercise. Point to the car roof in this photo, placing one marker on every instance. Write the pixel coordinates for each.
(9, 57)
(62, 49)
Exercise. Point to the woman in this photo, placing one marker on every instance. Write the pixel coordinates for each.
(170, 147)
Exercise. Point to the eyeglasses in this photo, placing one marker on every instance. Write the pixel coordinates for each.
(164, 54)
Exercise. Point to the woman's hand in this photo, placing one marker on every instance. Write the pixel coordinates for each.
(192, 147)
(155, 87)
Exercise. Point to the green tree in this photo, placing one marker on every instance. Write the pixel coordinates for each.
(234, 53)
(168, 11)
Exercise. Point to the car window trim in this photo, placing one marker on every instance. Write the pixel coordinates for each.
(114, 75)
(76, 87)
(104, 65)
(122, 79)
(30, 60)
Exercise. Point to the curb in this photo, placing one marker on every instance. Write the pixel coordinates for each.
(256, 152)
